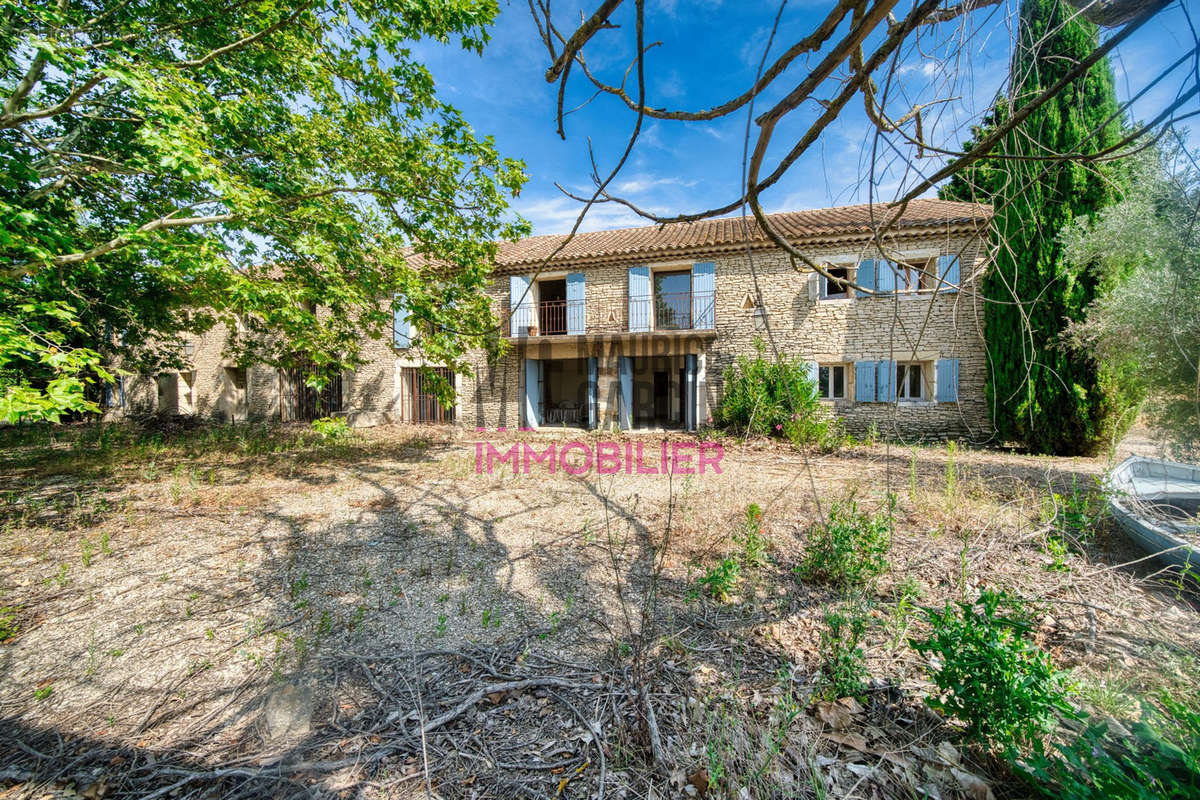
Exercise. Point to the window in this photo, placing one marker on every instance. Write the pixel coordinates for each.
(187, 388)
(832, 289)
(417, 401)
(232, 403)
(929, 275)
(552, 306)
(673, 300)
(301, 402)
(114, 393)
(919, 276)
(831, 381)
(891, 277)
(904, 277)
(910, 383)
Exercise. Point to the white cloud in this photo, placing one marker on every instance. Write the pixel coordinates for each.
(670, 85)
(929, 68)
(556, 214)
(670, 8)
(635, 184)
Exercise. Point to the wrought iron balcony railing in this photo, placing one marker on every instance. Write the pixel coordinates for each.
(679, 311)
(549, 318)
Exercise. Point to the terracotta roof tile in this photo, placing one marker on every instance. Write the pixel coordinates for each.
(725, 234)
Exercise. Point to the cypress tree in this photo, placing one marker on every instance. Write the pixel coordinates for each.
(1045, 393)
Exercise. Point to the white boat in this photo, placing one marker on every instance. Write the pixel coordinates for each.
(1158, 504)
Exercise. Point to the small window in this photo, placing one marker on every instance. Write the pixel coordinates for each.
(929, 280)
(237, 377)
(910, 382)
(835, 288)
(909, 278)
(831, 381)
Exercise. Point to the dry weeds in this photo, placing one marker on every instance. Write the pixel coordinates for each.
(288, 617)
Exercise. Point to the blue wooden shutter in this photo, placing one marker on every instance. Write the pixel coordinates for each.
(947, 380)
(520, 305)
(864, 381)
(401, 324)
(689, 392)
(885, 382)
(865, 276)
(533, 392)
(704, 295)
(625, 374)
(576, 304)
(593, 393)
(885, 276)
(639, 299)
(949, 271)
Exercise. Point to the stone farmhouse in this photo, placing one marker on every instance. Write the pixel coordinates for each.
(634, 329)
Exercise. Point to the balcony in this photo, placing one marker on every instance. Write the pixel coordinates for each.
(661, 312)
(549, 318)
(678, 311)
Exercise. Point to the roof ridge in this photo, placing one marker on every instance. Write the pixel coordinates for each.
(822, 209)
(718, 233)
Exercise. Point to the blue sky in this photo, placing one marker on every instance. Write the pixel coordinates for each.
(710, 51)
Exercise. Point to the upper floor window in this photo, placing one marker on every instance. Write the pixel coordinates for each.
(908, 277)
(837, 287)
(549, 306)
(918, 273)
(552, 306)
(673, 300)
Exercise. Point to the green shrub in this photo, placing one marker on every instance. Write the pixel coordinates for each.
(766, 397)
(1159, 757)
(1074, 515)
(721, 579)
(331, 427)
(1057, 549)
(851, 548)
(749, 537)
(843, 671)
(991, 676)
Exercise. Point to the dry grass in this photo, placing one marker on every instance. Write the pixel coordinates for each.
(165, 585)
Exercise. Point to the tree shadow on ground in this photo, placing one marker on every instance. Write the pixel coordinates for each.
(302, 650)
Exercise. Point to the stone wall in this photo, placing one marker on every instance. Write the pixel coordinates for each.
(917, 327)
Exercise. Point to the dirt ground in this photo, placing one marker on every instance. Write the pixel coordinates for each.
(192, 614)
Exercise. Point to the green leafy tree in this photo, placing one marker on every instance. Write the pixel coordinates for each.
(1148, 327)
(283, 170)
(1051, 396)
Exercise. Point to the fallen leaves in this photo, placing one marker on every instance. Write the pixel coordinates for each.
(838, 714)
